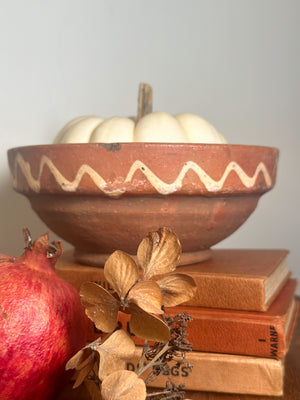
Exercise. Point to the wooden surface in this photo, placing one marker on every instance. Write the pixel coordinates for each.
(291, 389)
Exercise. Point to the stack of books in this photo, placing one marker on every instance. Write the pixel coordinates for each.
(243, 316)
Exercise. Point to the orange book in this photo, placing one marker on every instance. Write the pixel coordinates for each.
(261, 334)
(255, 333)
(224, 373)
(231, 279)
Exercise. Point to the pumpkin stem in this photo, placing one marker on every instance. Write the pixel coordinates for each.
(144, 100)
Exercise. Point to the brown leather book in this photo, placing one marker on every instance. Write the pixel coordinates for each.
(224, 373)
(254, 333)
(231, 279)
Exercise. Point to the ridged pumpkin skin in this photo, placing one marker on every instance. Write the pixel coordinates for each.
(42, 324)
(156, 127)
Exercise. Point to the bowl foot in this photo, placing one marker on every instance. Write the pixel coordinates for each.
(98, 260)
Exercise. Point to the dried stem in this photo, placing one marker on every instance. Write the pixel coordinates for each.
(171, 392)
(169, 395)
(144, 100)
(144, 352)
(142, 368)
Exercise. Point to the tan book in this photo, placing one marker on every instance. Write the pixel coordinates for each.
(224, 373)
(231, 279)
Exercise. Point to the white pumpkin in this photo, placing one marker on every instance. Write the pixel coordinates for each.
(154, 127)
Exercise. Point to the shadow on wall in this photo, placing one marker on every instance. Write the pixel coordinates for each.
(15, 214)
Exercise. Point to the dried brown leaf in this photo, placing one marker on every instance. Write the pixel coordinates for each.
(121, 272)
(77, 359)
(123, 385)
(159, 252)
(176, 289)
(148, 326)
(147, 295)
(114, 351)
(85, 360)
(82, 355)
(110, 364)
(100, 306)
(119, 343)
(84, 371)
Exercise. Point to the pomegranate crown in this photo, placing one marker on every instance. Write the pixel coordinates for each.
(53, 249)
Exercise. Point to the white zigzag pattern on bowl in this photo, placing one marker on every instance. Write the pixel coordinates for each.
(161, 186)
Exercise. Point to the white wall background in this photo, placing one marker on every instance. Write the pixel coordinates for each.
(235, 62)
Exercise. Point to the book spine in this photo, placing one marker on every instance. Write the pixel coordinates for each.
(223, 336)
(223, 373)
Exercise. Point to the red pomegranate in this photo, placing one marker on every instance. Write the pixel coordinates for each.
(42, 322)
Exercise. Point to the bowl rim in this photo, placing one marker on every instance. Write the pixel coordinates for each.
(115, 146)
(254, 171)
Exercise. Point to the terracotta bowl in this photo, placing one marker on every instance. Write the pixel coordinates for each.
(103, 197)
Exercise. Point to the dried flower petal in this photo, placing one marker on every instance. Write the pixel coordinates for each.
(114, 351)
(121, 272)
(159, 253)
(147, 295)
(82, 354)
(84, 370)
(123, 385)
(119, 343)
(100, 306)
(77, 359)
(110, 364)
(85, 360)
(148, 326)
(176, 289)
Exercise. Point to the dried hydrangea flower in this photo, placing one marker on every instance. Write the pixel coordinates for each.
(158, 254)
(141, 299)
